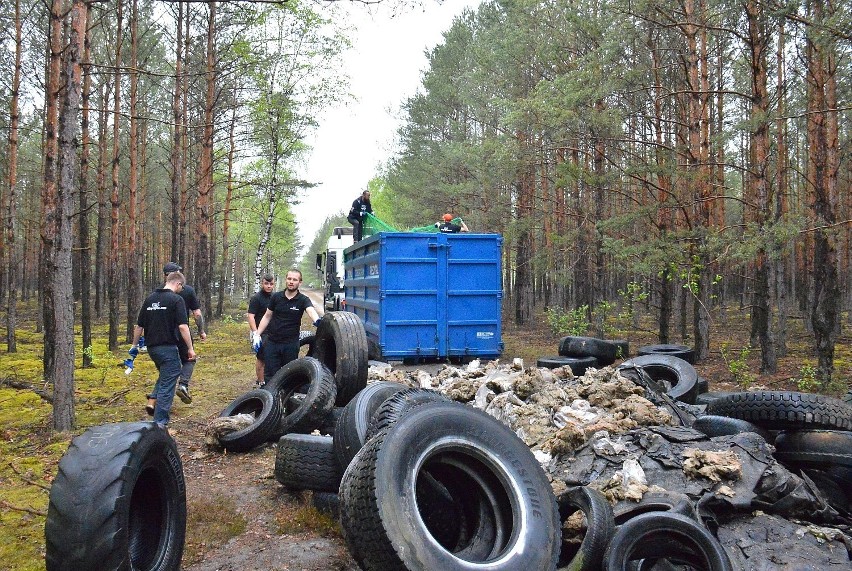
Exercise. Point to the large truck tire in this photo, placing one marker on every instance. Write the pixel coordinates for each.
(398, 405)
(509, 519)
(307, 462)
(306, 339)
(602, 350)
(341, 345)
(679, 351)
(118, 502)
(680, 376)
(310, 412)
(600, 527)
(672, 537)
(785, 410)
(579, 365)
(350, 432)
(266, 409)
(814, 448)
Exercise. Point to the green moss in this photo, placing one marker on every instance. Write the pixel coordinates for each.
(211, 523)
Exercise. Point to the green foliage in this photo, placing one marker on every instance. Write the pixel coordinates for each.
(808, 379)
(737, 364)
(568, 322)
(601, 316)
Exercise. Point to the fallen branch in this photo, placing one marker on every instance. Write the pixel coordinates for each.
(32, 511)
(27, 479)
(29, 387)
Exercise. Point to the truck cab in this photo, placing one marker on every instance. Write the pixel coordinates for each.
(330, 267)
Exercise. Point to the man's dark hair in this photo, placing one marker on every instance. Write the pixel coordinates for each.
(268, 278)
(295, 271)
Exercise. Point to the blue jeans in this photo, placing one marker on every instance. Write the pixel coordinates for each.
(276, 355)
(167, 360)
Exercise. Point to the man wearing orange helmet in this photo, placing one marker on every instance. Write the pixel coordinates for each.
(447, 226)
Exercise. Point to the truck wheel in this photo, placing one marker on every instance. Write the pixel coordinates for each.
(350, 431)
(118, 501)
(307, 462)
(665, 536)
(505, 513)
(265, 408)
(327, 503)
(579, 365)
(680, 351)
(398, 405)
(679, 375)
(600, 527)
(309, 412)
(814, 448)
(341, 345)
(713, 425)
(603, 351)
(784, 410)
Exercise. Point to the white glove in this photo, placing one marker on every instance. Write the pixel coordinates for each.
(256, 342)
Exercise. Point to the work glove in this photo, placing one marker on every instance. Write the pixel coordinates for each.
(142, 343)
(256, 341)
(128, 366)
(317, 322)
(133, 352)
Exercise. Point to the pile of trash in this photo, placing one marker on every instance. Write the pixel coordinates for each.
(629, 442)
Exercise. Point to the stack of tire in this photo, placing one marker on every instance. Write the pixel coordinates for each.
(583, 353)
(663, 531)
(301, 397)
(812, 434)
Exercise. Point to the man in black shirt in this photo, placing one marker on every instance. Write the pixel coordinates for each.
(447, 226)
(281, 322)
(360, 207)
(162, 319)
(193, 308)
(256, 310)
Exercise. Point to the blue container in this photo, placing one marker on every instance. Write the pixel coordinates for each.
(424, 295)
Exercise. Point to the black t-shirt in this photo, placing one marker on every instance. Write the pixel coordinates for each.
(286, 316)
(160, 315)
(449, 228)
(258, 304)
(190, 299)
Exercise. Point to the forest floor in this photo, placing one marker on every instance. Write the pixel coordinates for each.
(239, 517)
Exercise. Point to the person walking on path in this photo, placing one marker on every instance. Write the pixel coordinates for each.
(447, 226)
(193, 308)
(162, 318)
(258, 305)
(360, 207)
(281, 322)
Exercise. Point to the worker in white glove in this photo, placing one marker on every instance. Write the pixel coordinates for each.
(281, 324)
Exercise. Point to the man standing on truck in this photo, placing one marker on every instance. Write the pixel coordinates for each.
(258, 305)
(360, 207)
(283, 318)
(447, 226)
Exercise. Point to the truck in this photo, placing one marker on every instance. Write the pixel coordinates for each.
(425, 296)
(330, 267)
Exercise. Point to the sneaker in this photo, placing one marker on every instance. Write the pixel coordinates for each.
(149, 407)
(183, 394)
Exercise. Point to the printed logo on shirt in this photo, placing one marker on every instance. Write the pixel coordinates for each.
(294, 308)
(155, 306)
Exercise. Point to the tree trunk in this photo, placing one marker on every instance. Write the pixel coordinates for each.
(134, 287)
(84, 243)
(63, 304)
(11, 209)
(759, 181)
(112, 268)
(103, 210)
(226, 214)
(177, 144)
(781, 192)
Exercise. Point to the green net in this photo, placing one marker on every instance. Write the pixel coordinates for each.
(374, 225)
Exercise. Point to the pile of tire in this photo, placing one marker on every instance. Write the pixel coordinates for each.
(583, 353)
(118, 501)
(663, 531)
(304, 394)
(812, 434)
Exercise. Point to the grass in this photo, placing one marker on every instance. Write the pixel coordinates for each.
(214, 519)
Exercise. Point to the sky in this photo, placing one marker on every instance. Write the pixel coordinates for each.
(354, 140)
